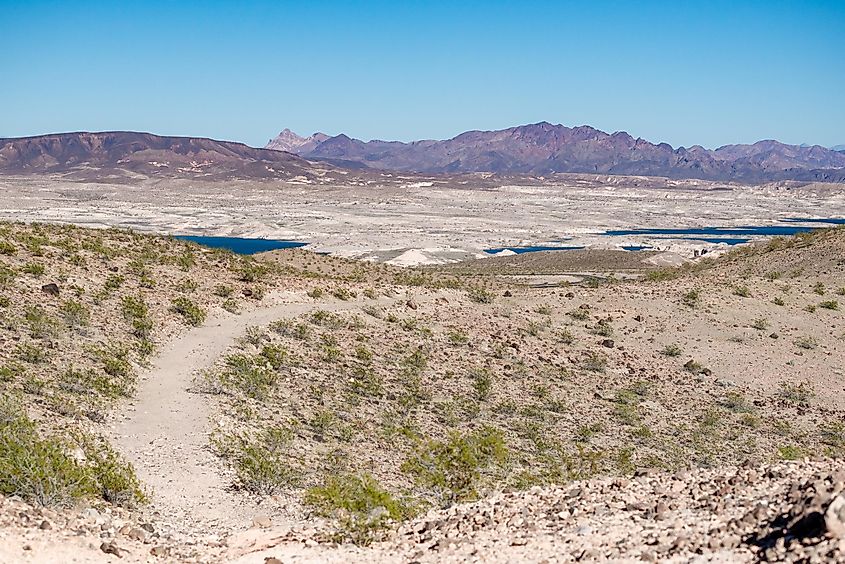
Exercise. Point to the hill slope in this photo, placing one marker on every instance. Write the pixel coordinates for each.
(126, 153)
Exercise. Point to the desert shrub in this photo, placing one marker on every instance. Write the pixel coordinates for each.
(361, 505)
(223, 290)
(315, 293)
(760, 324)
(457, 337)
(661, 274)
(186, 260)
(819, 288)
(453, 467)
(75, 314)
(190, 312)
(790, 452)
(275, 355)
(250, 375)
(113, 282)
(691, 298)
(39, 470)
(798, 394)
(579, 314)
(33, 268)
(41, 325)
(482, 382)
(114, 479)
(594, 362)
(343, 294)
(671, 350)
(7, 248)
(603, 328)
(231, 305)
(807, 343)
(480, 295)
(742, 291)
(778, 301)
(32, 354)
(261, 461)
(251, 271)
(135, 311)
(829, 304)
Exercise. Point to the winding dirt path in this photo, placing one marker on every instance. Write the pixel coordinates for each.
(164, 432)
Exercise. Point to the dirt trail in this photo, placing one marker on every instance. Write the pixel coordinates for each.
(164, 432)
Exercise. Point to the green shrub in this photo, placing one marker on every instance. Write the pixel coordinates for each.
(361, 505)
(113, 282)
(315, 293)
(249, 375)
(41, 325)
(252, 271)
(482, 382)
(33, 268)
(742, 291)
(6, 248)
(662, 274)
(691, 298)
(453, 467)
(798, 394)
(830, 304)
(480, 295)
(778, 301)
(760, 324)
(75, 314)
(39, 470)
(671, 350)
(192, 313)
(223, 291)
(819, 288)
(261, 461)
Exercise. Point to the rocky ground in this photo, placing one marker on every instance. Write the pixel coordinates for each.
(695, 414)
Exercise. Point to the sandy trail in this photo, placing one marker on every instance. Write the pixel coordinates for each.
(164, 432)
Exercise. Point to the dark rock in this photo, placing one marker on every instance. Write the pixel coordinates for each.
(50, 289)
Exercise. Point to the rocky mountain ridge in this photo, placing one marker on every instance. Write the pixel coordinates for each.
(544, 148)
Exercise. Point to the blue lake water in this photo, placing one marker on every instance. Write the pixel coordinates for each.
(241, 245)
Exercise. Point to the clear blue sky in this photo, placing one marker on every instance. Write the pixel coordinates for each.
(683, 72)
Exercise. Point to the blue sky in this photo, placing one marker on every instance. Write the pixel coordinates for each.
(682, 72)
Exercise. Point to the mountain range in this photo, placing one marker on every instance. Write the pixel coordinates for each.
(543, 148)
(539, 149)
(124, 154)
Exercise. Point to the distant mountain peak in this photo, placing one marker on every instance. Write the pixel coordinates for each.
(289, 141)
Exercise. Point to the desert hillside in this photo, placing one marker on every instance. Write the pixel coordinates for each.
(166, 401)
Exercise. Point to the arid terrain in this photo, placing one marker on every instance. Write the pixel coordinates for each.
(168, 402)
(409, 220)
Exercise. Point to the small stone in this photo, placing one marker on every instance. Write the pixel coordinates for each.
(45, 526)
(261, 522)
(834, 517)
(608, 343)
(272, 560)
(111, 548)
(507, 294)
(50, 289)
(137, 534)
(158, 551)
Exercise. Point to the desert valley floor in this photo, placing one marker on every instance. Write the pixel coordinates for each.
(438, 218)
